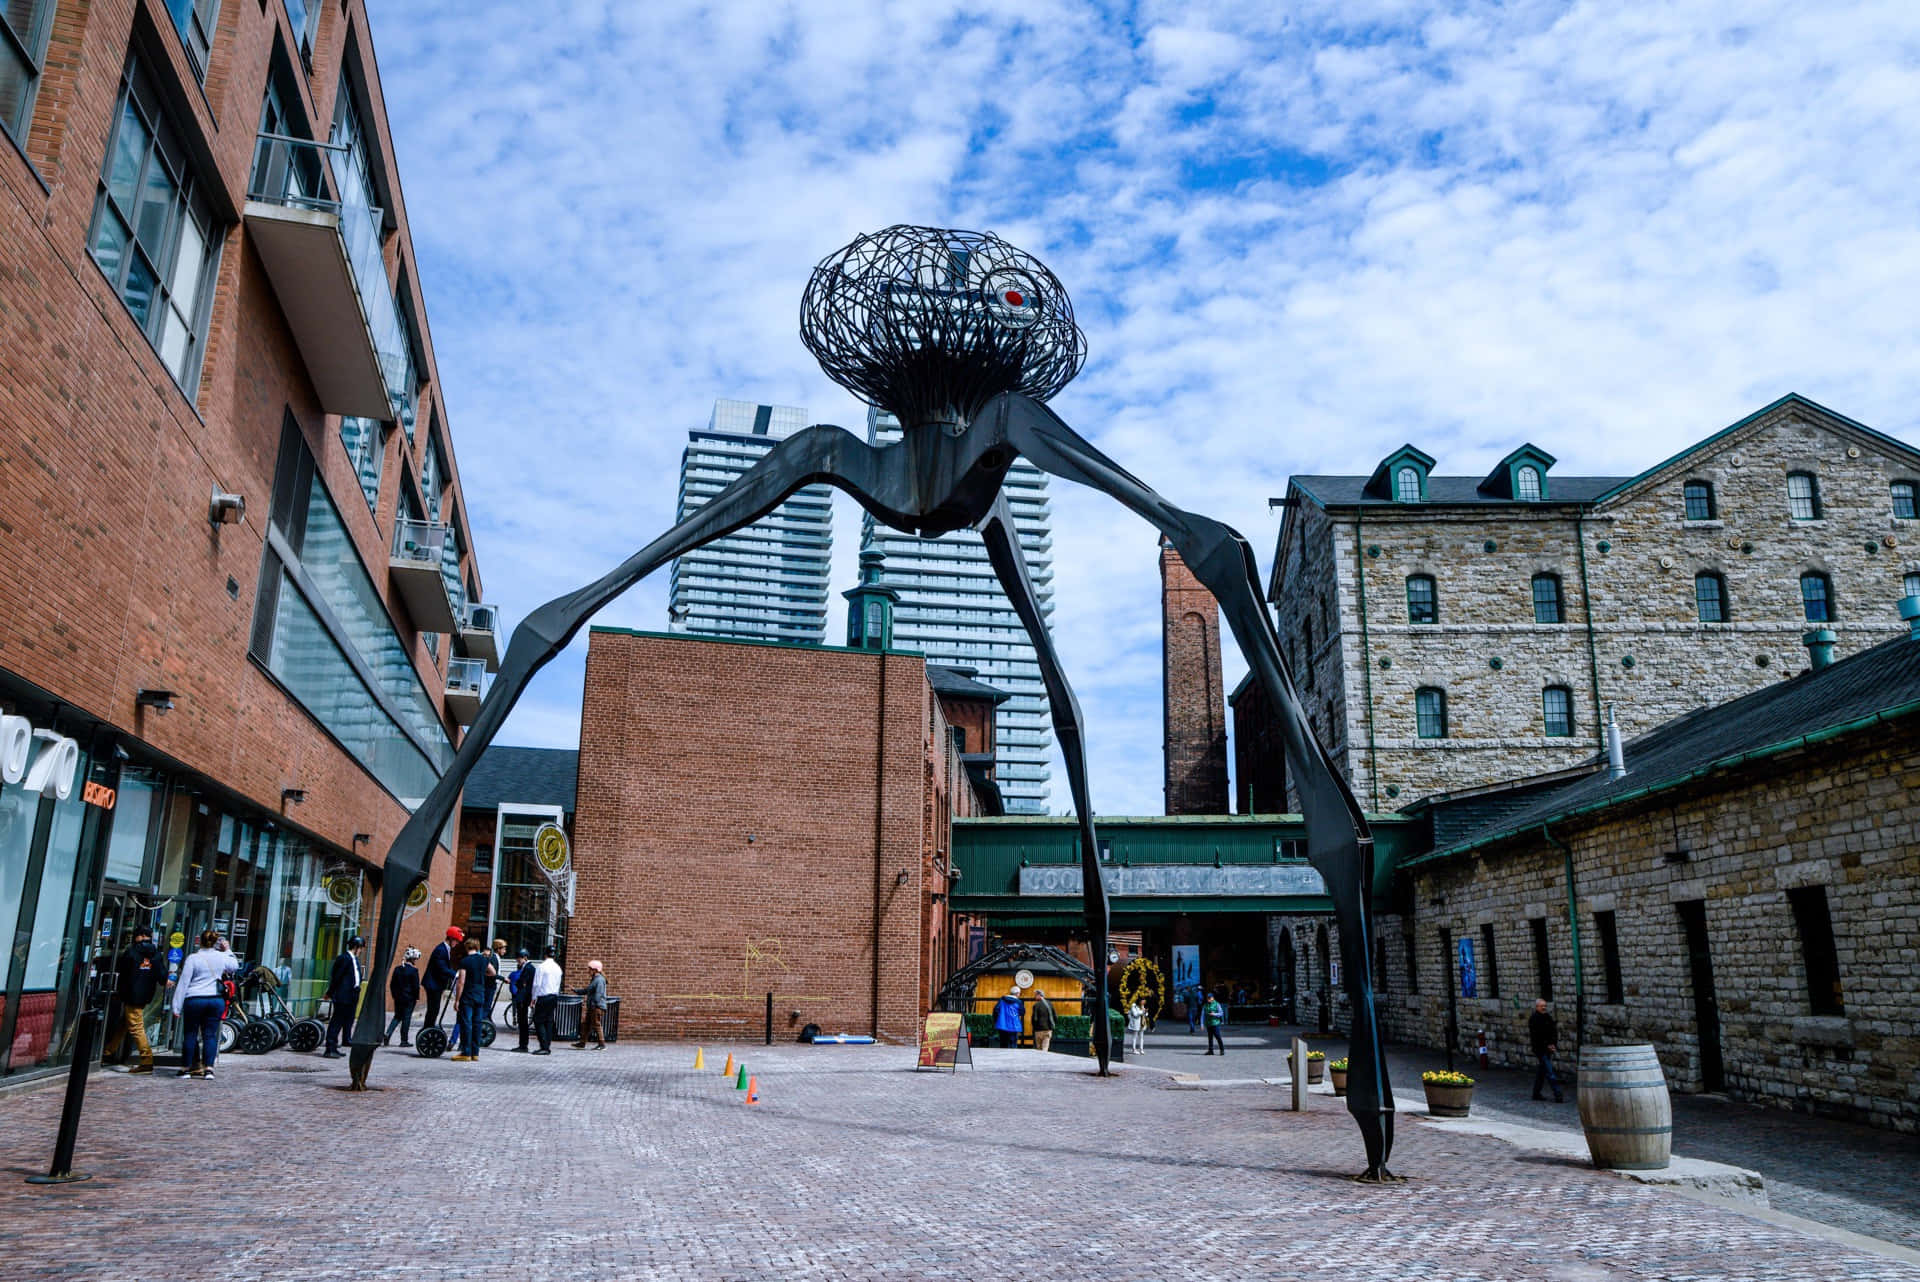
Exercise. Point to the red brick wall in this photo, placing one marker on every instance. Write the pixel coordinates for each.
(1195, 708)
(745, 813)
(110, 575)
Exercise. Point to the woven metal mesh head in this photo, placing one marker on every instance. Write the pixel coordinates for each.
(931, 324)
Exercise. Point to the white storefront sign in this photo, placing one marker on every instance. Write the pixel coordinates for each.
(51, 767)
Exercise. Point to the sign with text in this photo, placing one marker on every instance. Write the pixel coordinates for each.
(940, 1040)
(1178, 879)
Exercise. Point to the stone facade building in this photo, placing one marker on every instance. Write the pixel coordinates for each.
(1194, 707)
(1450, 632)
(1746, 898)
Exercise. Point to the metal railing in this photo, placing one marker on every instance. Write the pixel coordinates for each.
(419, 541)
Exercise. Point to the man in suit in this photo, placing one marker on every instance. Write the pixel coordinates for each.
(343, 990)
(439, 976)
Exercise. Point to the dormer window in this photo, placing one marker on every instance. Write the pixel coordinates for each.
(1520, 477)
(1527, 485)
(1401, 477)
(1406, 485)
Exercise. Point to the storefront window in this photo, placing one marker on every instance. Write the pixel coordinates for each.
(521, 898)
(52, 981)
(18, 811)
(133, 811)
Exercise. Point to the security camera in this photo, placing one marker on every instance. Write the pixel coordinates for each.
(224, 508)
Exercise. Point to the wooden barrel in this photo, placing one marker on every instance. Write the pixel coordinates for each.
(1624, 1108)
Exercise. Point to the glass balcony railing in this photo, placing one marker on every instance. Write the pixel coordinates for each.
(419, 541)
(481, 618)
(464, 676)
(292, 172)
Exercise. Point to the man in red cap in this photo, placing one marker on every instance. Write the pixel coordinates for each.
(439, 976)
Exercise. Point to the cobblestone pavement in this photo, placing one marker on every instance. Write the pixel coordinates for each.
(628, 1164)
(1858, 1178)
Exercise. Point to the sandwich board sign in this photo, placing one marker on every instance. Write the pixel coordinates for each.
(943, 1042)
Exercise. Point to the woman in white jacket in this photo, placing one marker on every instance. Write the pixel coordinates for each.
(200, 1000)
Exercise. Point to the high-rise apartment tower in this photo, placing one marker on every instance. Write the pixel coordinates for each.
(768, 581)
(952, 609)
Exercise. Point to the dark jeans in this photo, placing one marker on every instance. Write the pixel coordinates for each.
(543, 1014)
(402, 1020)
(200, 1022)
(471, 1013)
(520, 1018)
(340, 1026)
(434, 997)
(1006, 1037)
(1545, 1076)
(1214, 1039)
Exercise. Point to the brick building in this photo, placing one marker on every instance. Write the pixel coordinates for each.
(1193, 701)
(499, 890)
(1448, 632)
(235, 555)
(756, 817)
(1746, 898)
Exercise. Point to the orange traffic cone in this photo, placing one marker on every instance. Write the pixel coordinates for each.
(753, 1090)
(699, 1058)
(727, 1070)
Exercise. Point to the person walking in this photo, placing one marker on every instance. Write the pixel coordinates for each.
(200, 1000)
(1544, 1033)
(1137, 1027)
(343, 990)
(138, 972)
(1042, 1021)
(404, 987)
(439, 976)
(1213, 1014)
(1008, 1019)
(475, 977)
(520, 993)
(497, 958)
(1193, 1009)
(594, 1008)
(546, 999)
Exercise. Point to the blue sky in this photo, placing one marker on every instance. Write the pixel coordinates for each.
(1297, 235)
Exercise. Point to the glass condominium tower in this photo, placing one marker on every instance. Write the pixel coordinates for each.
(768, 581)
(952, 609)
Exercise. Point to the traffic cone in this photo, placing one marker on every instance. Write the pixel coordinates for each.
(753, 1090)
(699, 1058)
(727, 1069)
(741, 1085)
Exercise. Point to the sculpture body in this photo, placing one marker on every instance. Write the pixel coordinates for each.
(962, 337)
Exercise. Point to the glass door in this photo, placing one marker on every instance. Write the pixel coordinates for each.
(177, 931)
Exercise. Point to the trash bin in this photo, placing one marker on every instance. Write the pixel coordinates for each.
(610, 1022)
(566, 1017)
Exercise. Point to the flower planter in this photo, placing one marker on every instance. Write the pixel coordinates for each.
(1316, 1069)
(1339, 1082)
(1448, 1101)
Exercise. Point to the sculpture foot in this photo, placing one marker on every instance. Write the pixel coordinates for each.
(1378, 1175)
(359, 1060)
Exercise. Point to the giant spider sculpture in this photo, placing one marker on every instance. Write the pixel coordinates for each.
(962, 337)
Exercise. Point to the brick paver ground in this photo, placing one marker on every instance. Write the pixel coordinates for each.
(1858, 1178)
(627, 1164)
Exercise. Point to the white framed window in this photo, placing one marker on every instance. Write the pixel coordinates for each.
(1527, 484)
(1406, 485)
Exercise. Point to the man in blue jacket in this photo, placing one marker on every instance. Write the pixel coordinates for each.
(1009, 1019)
(439, 976)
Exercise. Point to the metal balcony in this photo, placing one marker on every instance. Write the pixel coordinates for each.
(479, 634)
(464, 678)
(415, 566)
(323, 258)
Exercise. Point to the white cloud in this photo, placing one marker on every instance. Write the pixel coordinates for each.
(1296, 235)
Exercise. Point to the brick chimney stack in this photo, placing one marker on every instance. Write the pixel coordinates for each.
(1195, 723)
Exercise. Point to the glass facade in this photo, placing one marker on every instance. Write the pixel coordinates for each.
(523, 909)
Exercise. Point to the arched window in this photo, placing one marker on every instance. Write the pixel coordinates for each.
(1903, 500)
(1910, 586)
(1556, 706)
(1710, 597)
(1546, 599)
(1430, 712)
(1423, 602)
(1527, 484)
(1816, 597)
(1803, 496)
(1699, 496)
(1406, 485)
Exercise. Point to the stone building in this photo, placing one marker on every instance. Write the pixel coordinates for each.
(754, 817)
(1746, 897)
(1194, 707)
(1449, 632)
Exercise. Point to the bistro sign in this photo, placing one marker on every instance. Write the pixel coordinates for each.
(48, 768)
(1178, 879)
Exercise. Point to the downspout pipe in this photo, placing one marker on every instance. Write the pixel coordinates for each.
(1366, 654)
(1573, 929)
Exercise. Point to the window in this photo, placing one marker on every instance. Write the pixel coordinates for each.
(1306, 670)
(365, 441)
(483, 856)
(1610, 956)
(1815, 923)
(477, 914)
(1910, 585)
(1430, 712)
(1710, 597)
(1699, 497)
(1491, 965)
(1423, 603)
(959, 738)
(1527, 484)
(1413, 959)
(1380, 963)
(152, 235)
(195, 19)
(1546, 598)
(1446, 958)
(1542, 960)
(1803, 496)
(23, 35)
(1406, 485)
(1816, 598)
(1556, 705)
(302, 18)
(1903, 501)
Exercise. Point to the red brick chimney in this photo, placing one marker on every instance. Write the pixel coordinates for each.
(1196, 713)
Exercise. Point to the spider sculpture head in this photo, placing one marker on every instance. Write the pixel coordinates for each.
(930, 324)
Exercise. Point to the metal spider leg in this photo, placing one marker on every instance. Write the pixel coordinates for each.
(1003, 550)
(1339, 845)
(818, 453)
